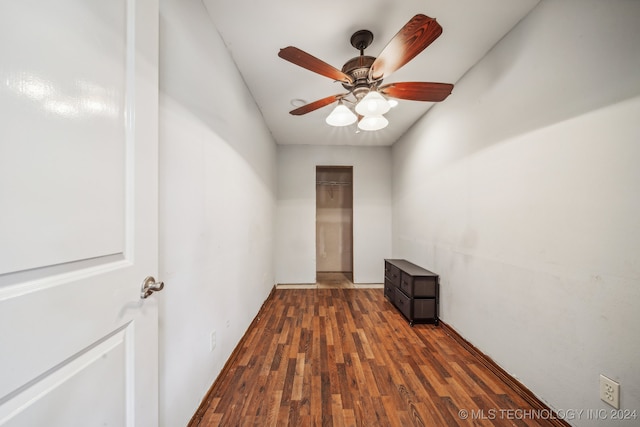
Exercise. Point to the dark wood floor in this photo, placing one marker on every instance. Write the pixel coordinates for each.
(347, 357)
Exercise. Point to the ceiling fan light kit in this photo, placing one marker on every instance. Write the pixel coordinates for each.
(362, 76)
(373, 123)
(373, 104)
(341, 116)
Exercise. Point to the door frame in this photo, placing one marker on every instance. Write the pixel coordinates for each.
(345, 168)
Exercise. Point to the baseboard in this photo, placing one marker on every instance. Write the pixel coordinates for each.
(520, 389)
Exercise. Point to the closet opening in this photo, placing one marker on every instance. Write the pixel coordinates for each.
(334, 224)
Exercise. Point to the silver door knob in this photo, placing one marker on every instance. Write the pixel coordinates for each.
(150, 286)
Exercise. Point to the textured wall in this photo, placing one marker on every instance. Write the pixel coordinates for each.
(521, 190)
(217, 202)
(296, 210)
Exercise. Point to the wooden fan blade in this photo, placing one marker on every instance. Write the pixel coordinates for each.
(311, 63)
(418, 91)
(316, 104)
(412, 39)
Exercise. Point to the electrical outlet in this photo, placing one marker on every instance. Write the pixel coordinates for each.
(610, 391)
(212, 341)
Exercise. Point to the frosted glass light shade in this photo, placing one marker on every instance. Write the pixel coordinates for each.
(373, 122)
(341, 116)
(373, 104)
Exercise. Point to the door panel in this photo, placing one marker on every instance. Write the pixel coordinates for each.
(67, 68)
(70, 387)
(78, 222)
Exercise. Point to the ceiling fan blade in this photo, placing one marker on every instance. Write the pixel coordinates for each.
(311, 63)
(316, 104)
(412, 39)
(418, 91)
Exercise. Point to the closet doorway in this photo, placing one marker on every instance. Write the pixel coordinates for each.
(334, 224)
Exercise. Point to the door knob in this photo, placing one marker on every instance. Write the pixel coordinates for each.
(150, 286)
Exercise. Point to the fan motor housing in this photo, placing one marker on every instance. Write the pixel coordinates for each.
(358, 69)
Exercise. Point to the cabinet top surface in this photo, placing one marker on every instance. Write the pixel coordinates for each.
(410, 268)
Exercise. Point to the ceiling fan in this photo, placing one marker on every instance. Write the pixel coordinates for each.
(362, 76)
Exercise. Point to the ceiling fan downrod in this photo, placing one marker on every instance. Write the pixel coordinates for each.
(358, 68)
(361, 40)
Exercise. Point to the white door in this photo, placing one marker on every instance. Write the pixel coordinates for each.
(78, 212)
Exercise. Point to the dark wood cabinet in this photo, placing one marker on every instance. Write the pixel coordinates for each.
(412, 289)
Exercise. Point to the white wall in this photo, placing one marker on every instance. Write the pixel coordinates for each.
(217, 204)
(522, 191)
(296, 210)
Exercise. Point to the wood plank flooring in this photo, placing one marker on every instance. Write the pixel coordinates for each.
(347, 357)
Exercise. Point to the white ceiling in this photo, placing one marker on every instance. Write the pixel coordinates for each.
(255, 30)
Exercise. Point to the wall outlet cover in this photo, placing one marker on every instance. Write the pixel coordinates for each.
(610, 391)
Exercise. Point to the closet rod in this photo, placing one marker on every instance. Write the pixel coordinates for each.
(332, 183)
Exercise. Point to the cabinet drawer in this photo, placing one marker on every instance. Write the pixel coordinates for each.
(424, 308)
(392, 273)
(403, 303)
(389, 290)
(419, 286)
